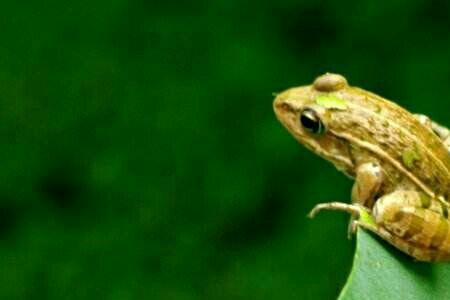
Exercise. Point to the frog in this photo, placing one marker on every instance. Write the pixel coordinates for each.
(399, 161)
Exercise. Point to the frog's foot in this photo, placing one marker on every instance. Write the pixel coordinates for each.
(360, 215)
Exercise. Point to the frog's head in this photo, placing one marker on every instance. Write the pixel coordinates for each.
(309, 113)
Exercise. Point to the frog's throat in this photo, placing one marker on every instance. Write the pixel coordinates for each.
(341, 162)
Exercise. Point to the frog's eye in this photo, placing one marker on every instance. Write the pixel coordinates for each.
(311, 122)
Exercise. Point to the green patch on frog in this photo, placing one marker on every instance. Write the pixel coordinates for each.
(331, 102)
(425, 200)
(409, 157)
(355, 147)
(377, 109)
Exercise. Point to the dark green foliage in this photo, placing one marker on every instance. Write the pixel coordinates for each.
(141, 158)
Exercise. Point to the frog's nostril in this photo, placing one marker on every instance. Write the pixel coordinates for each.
(285, 107)
(330, 82)
(282, 108)
(280, 100)
(280, 103)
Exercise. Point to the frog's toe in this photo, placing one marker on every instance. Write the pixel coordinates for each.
(353, 209)
(352, 227)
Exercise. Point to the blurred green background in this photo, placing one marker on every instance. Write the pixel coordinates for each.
(141, 158)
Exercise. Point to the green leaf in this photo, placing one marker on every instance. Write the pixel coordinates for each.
(382, 272)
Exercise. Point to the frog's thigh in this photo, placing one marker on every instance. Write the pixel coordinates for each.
(441, 131)
(424, 120)
(418, 224)
(447, 143)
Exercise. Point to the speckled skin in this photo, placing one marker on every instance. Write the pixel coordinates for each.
(400, 164)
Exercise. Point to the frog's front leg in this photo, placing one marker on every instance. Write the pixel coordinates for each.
(369, 177)
(368, 180)
(360, 215)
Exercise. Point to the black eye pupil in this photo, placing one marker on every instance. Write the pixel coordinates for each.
(311, 122)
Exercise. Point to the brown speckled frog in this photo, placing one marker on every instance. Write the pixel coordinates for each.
(400, 161)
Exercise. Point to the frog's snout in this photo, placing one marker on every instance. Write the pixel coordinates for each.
(281, 105)
(330, 82)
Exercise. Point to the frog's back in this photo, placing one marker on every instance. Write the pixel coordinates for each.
(405, 144)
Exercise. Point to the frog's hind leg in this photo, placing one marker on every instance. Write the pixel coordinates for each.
(414, 223)
(441, 131)
(409, 220)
